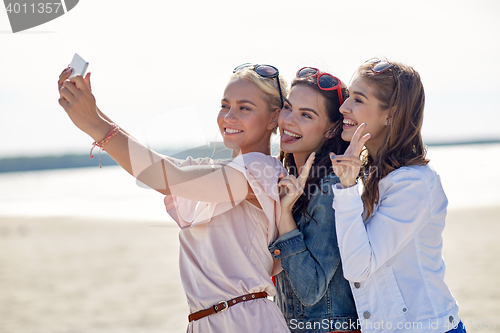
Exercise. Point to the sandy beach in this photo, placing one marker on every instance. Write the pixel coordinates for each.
(76, 275)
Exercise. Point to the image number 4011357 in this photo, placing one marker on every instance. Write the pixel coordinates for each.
(26, 14)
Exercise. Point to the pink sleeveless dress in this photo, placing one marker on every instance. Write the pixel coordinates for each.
(224, 250)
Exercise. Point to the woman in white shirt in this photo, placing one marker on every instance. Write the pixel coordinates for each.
(390, 236)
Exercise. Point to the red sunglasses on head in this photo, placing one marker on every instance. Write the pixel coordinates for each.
(325, 81)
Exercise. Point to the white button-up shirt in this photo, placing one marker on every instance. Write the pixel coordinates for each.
(393, 259)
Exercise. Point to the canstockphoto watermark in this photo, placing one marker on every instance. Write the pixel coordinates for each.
(26, 14)
(324, 324)
(329, 324)
(431, 325)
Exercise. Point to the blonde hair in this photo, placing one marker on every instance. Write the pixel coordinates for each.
(267, 85)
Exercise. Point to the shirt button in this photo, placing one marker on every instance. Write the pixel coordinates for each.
(357, 285)
(405, 309)
(277, 252)
(451, 319)
(366, 314)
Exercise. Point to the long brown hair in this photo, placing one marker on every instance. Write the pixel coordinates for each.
(400, 90)
(322, 165)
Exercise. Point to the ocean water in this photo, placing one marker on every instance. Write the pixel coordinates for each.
(469, 174)
(109, 192)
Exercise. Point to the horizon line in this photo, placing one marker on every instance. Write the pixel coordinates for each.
(174, 150)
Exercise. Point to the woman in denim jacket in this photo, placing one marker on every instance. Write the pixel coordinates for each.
(311, 290)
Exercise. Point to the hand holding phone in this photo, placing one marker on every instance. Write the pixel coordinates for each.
(78, 65)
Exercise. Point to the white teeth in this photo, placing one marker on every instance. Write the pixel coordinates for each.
(291, 134)
(231, 130)
(349, 122)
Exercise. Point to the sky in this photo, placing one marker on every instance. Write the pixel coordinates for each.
(159, 68)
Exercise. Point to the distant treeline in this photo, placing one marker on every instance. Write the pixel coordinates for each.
(52, 162)
(215, 150)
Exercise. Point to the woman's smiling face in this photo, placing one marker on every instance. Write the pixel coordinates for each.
(303, 121)
(245, 121)
(363, 107)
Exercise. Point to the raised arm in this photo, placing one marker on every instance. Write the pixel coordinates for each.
(209, 183)
(292, 188)
(311, 257)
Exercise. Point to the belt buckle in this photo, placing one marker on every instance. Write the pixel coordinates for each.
(224, 309)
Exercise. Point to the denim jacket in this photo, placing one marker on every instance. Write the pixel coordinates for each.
(312, 292)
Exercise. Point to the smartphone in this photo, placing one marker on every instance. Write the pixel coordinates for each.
(78, 65)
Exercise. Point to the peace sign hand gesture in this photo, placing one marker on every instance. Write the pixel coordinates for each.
(291, 188)
(347, 166)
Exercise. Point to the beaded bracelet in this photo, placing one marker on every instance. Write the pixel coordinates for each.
(112, 132)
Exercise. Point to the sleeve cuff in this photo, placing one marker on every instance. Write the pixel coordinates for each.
(287, 245)
(345, 199)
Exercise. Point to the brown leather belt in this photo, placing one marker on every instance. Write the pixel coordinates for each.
(224, 305)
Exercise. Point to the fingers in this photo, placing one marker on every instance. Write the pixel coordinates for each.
(358, 142)
(80, 83)
(291, 184)
(352, 164)
(304, 173)
(63, 77)
(346, 160)
(70, 89)
(346, 167)
(87, 81)
(64, 71)
(66, 93)
(361, 143)
(357, 134)
(288, 180)
(64, 103)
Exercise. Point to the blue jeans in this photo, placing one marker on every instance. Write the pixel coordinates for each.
(460, 329)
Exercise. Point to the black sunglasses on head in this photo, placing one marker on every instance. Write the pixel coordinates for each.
(264, 71)
(379, 66)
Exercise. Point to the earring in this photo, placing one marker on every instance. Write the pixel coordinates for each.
(386, 123)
